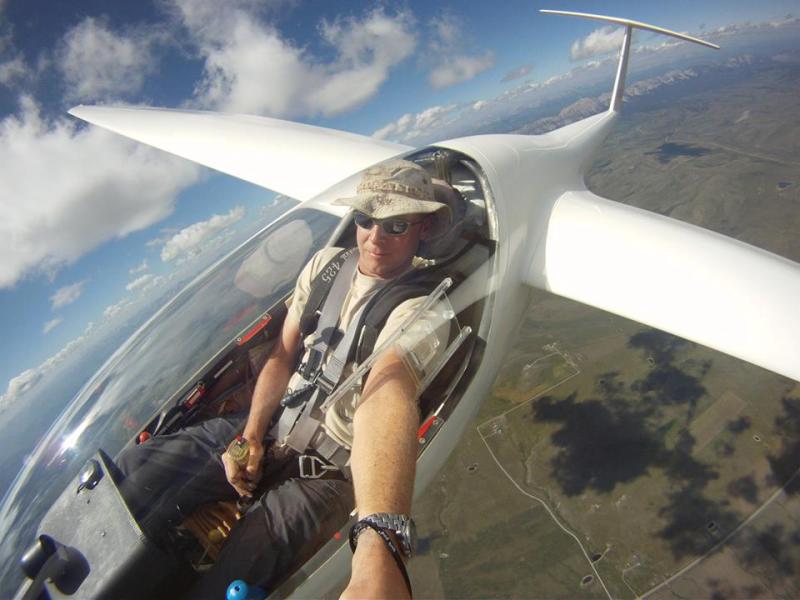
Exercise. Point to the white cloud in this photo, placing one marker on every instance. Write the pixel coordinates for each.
(20, 384)
(13, 70)
(656, 47)
(13, 67)
(27, 379)
(586, 107)
(111, 311)
(66, 190)
(600, 41)
(450, 64)
(446, 30)
(529, 96)
(430, 117)
(405, 121)
(99, 63)
(647, 86)
(50, 325)
(66, 295)
(459, 69)
(142, 266)
(440, 122)
(251, 68)
(143, 283)
(394, 128)
(166, 234)
(190, 240)
(411, 126)
(748, 27)
(517, 73)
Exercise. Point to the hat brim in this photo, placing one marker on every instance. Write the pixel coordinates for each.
(387, 205)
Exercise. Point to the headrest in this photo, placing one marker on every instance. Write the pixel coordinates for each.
(445, 243)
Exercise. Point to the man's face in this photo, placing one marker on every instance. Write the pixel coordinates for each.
(387, 256)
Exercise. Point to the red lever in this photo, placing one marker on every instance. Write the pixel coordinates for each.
(249, 335)
(425, 426)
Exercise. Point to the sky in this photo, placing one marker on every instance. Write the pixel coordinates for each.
(93, 227)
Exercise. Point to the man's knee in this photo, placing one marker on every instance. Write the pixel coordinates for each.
(131, 459)
(181, 469)
(194, 443)
(304, 514)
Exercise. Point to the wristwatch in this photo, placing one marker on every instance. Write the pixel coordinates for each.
(401, 525)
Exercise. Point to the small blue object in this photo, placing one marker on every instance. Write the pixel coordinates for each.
(240, 590)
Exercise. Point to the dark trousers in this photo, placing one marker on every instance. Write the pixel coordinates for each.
(169, 476)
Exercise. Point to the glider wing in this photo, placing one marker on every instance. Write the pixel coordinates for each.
(677, 277)
(289, 158)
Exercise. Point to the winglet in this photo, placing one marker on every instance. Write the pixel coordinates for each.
(622, 68)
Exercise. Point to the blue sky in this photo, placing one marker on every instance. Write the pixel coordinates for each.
(94, 226)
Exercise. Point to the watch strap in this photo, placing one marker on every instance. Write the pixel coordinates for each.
(397, 524)
(359, 527)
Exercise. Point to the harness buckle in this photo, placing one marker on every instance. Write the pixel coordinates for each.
(297, 397)
(324, 384)
(313, 467)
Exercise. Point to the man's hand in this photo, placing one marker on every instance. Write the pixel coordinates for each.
(244, 479)
(374, 572)
(270, 387)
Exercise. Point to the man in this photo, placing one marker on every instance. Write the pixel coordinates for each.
(170, 475)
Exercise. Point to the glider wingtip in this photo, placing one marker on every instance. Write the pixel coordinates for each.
(79, 111)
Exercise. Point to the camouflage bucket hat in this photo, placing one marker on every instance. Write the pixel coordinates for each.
(396, 188)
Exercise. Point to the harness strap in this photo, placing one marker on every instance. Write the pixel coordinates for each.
(320, 287)
(326, 332)
(300, 425)
(367, 364)
(281, 430)
(301, 419)
(309, 420)
(334, 368)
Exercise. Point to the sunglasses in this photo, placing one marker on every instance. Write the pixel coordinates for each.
(392, 226)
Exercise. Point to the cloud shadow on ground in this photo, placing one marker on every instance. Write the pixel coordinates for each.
(625, 431)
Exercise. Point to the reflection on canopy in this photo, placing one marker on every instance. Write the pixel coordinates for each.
(161, 358)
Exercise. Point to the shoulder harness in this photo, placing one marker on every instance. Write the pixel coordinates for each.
(416, 283)
(300, 424)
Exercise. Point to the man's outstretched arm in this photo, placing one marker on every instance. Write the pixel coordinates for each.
(383, 461)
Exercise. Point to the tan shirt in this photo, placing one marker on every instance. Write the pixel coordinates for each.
(419, 346)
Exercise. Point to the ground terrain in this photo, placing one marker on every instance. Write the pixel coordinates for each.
(611, 456)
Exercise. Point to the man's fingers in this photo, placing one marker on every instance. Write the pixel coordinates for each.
(235, 476)
(244, 479)
(244, 492)
(229, 465)
(254, 463)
